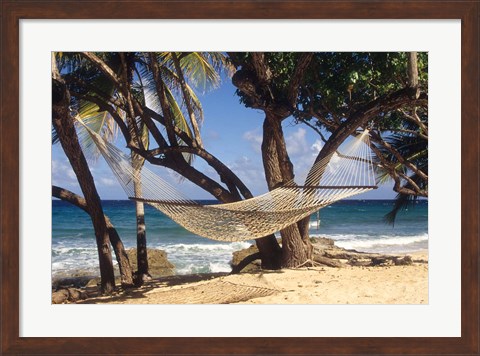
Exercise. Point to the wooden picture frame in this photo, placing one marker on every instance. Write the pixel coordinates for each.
(13, 11)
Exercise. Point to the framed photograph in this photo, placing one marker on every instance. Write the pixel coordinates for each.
(440, 316)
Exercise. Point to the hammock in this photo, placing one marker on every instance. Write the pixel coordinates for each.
(336, 177)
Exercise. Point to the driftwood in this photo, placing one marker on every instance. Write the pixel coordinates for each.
(325, 254)
(329, 262)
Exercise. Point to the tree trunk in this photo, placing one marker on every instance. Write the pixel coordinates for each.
(270, 252)
(63, 124)
(412, 70)
(142, 257)
(117, 244)
(126, 275)
(296, 250)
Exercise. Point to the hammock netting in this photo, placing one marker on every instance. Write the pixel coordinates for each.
(336, 177)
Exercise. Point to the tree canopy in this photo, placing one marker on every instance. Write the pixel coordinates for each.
(388, 89)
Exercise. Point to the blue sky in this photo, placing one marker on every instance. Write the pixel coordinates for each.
(233, 134)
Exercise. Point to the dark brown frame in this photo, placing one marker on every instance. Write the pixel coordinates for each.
(14, 10)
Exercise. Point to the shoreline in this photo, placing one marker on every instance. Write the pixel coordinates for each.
(353, 224)
(387, 284)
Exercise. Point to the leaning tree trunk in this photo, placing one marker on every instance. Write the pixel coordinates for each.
(63, 124)
(296, 250)
(270, 252)
(126, 275)
(142, 255)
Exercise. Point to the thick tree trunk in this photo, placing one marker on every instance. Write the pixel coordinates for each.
(65, 129)
(270, 252)
(296, 250)
(253, 80)
(126, 274)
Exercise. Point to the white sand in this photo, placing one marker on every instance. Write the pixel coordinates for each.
(319, 285)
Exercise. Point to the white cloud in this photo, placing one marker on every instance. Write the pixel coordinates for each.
(71, 174)
(62, 173)
(251, 173)
(255, 138)
(109, 182)
(297, 142)
(316, 147)
(248, 170)
(302, 153)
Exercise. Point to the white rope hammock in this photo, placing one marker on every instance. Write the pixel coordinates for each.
(337, 177)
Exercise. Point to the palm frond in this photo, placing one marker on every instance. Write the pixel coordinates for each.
(144, 133)
(99, 122)
(220, 62)
(55, 138)
(178, 116)
(200, 73)
(404, 201)
(196, 104)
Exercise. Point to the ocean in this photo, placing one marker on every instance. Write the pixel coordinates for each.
(353, 224)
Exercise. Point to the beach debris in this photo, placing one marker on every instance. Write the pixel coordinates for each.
(68, 295)
(405, 261)
(325, 254)
(329, 262)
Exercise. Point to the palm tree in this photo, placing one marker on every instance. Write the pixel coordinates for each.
(143, 77)
(154, 82)
(410, 144)
(103, 124)
(176, 74)
(100, 122)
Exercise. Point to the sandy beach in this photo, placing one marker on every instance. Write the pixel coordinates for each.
(315, 285)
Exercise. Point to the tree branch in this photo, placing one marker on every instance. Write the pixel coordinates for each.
(416, 120)
(365, 113)
(100, 64)
(157, 117)
(74, 80)
(314, 128)
(410, 132)
(394, 174)
(223, 171)
(102, 106)
(398, 156)
(262, 70)
(301, 67)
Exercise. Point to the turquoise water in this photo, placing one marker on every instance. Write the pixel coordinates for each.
(356, 224)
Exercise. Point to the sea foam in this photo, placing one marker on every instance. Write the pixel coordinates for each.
(202, 258)
(380, 243)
